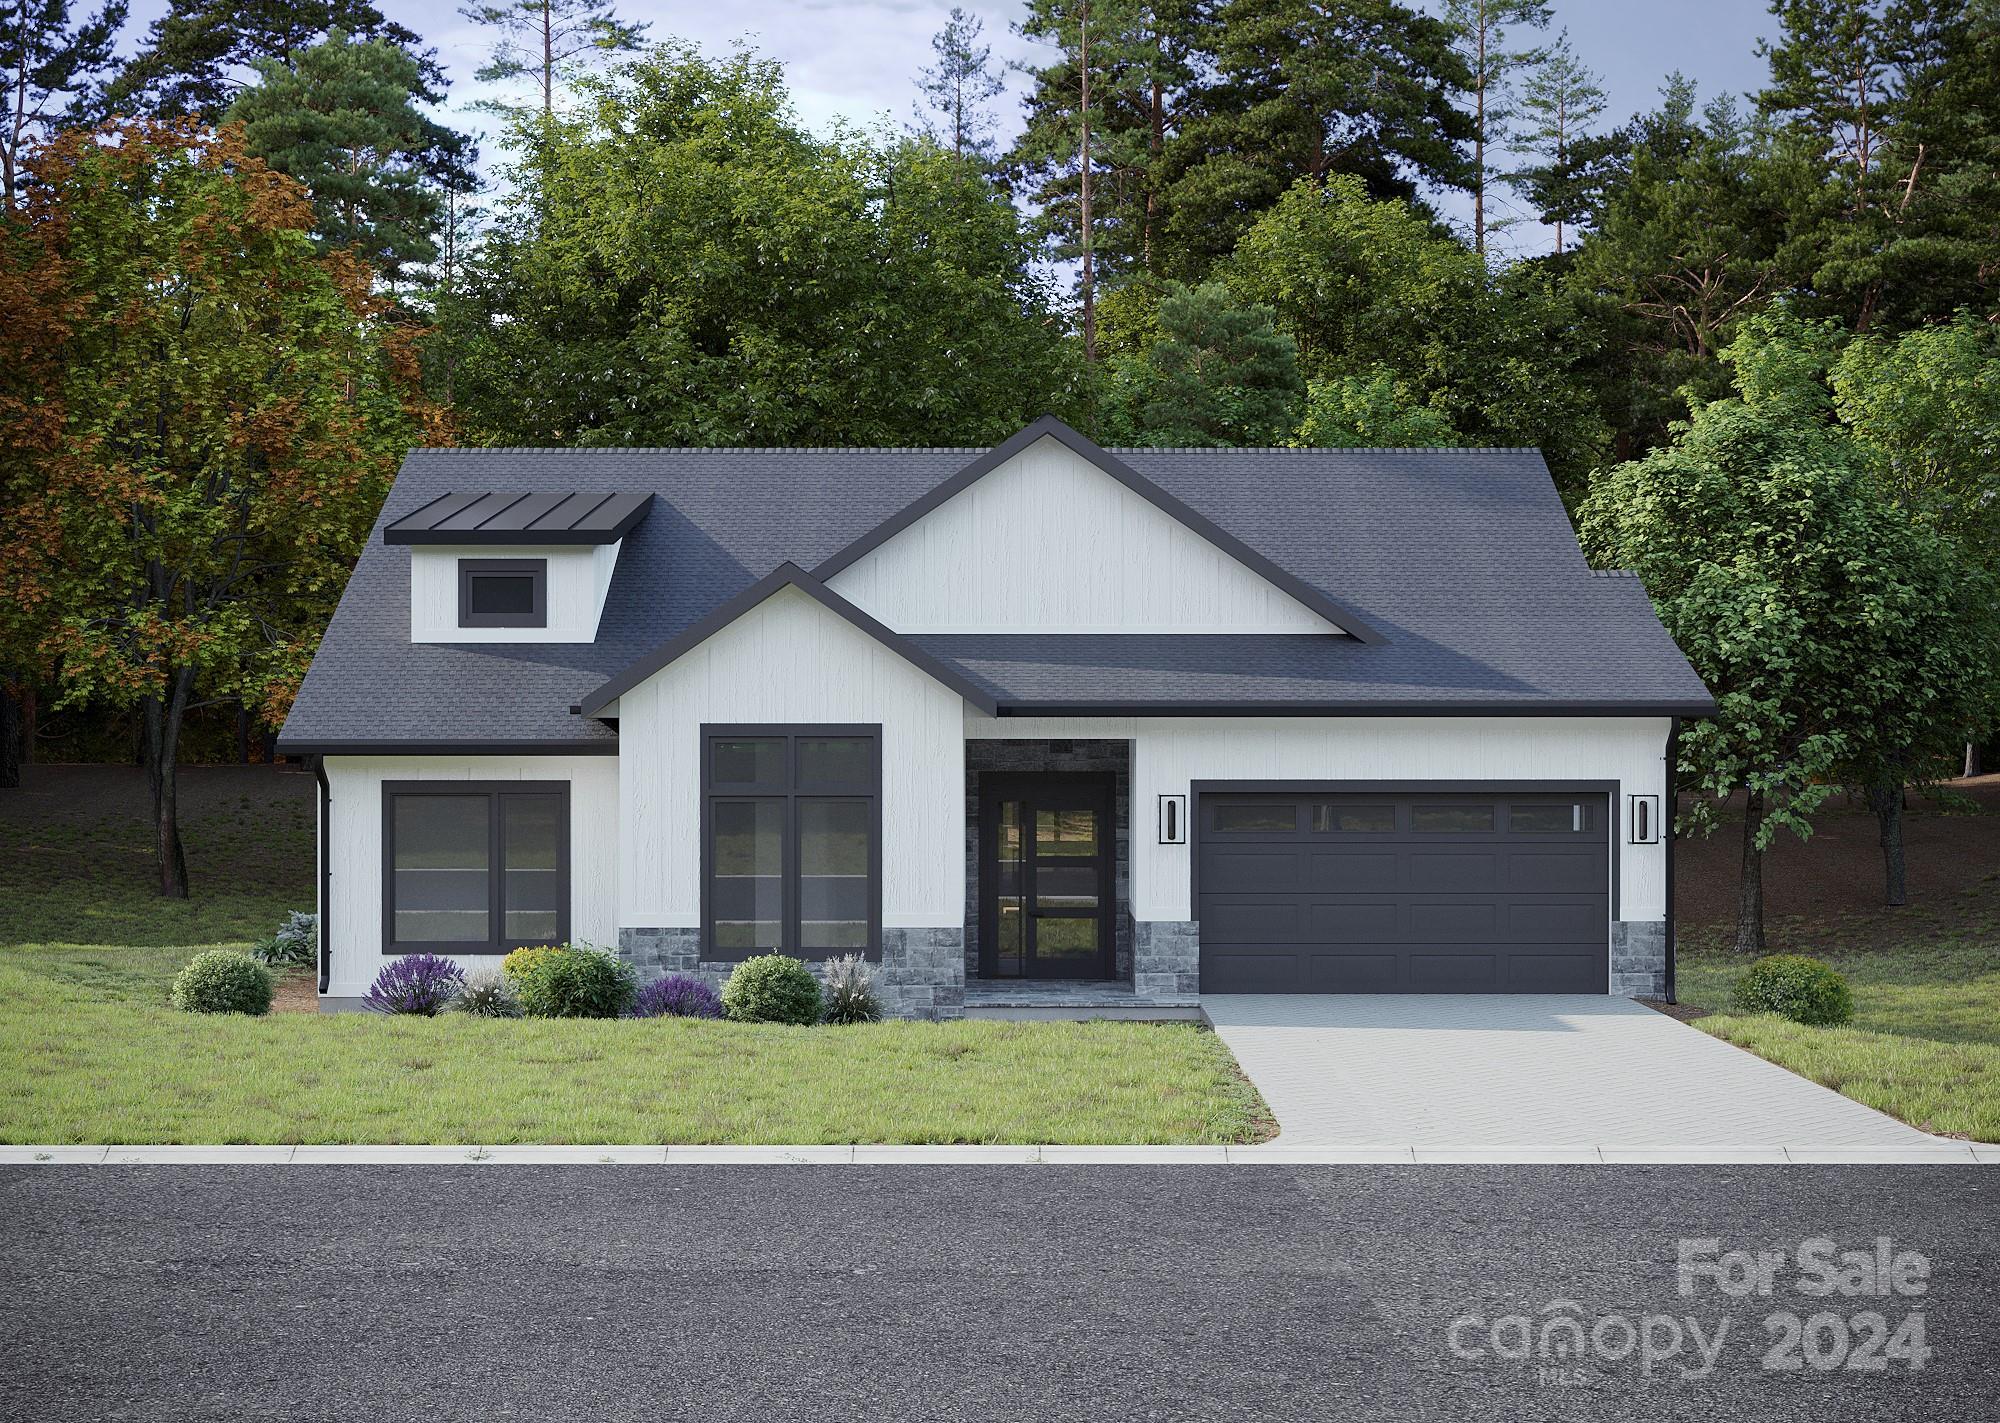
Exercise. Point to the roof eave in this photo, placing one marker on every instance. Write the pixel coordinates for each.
(1192, 708)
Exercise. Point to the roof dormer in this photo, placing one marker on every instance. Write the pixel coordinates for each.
(491, 566)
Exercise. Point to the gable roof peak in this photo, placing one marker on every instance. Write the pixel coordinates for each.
(1049, 427)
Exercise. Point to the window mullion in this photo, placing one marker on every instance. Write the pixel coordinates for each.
(496, 873)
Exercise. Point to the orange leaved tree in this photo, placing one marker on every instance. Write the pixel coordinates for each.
(193, 445)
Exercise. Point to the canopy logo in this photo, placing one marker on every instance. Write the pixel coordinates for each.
(1568, 1345)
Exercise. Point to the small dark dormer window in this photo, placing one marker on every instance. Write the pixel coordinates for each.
(503, 592)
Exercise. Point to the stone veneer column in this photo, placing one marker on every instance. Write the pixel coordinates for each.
(1639, 958)
(1166, 958)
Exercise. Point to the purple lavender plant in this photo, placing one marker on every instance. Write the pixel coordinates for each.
(678, 995)
(415, 983)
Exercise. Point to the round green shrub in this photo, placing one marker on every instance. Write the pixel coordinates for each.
(223, 981)
(772, 988)
(1793, 986)
(576, 981)
(521, 962)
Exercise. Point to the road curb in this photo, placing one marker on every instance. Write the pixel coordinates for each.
(1942, 1153)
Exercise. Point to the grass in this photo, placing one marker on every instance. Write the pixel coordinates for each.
(1924, 1044)
(91, 1054)
(89, 1051)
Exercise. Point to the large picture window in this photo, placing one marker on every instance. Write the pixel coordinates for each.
(474, 867)
(791, 854)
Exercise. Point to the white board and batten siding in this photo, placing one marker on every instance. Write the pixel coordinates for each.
(355, 888)
(790, 660)
(579, 578)
(1048, 542)
(1170, 753)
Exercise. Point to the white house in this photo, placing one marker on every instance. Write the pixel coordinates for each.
(1010, 722)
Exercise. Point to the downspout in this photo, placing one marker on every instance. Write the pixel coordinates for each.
(1670, 812)
(325, 875)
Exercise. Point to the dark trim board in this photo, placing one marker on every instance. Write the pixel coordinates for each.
(1342, 616)
(598, 746)
(499, 942)
(1693, 711)
(785, 575)
(791, 733)
(1671, 810)
(1610, 790)
(325, 874)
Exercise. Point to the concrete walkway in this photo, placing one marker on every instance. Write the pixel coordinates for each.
(1547, 1071)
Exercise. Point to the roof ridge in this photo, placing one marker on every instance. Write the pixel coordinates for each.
(964, 449)
(698, 449)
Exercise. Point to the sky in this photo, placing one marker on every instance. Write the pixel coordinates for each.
(857, 59)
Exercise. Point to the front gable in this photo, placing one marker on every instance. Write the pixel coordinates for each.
(1052, 535)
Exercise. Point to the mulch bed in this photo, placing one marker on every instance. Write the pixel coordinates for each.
(296, 993)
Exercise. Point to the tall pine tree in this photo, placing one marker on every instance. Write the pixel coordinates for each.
(957, 89)
(538, 37)
(344, 121)
(1309, 89)
(52, 64)
(1483, 29)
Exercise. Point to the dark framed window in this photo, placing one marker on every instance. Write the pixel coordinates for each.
(474, 867)
(503, 592)
(791, 841)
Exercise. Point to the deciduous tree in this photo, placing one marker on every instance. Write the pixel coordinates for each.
(686, 264)
(1828, 624)
(205, 431)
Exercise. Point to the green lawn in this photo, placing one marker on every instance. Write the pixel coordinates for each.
(1924, 1044)
(89, 1051)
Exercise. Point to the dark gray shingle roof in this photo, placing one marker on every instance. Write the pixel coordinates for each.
(1462, 560)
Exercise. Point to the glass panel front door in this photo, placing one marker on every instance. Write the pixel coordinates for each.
(1047, 872)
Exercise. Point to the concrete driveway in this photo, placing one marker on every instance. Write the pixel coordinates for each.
(1540, 1070)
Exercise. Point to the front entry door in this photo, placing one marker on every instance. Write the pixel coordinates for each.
(1045, 874)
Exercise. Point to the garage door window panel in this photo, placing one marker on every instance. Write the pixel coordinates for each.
(1452, 819)
(1354, 819)
(1252, 818)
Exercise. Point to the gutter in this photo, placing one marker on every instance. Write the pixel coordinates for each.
(325, 872)
(1671, 805)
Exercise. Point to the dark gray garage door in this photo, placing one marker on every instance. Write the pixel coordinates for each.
(1433, 893)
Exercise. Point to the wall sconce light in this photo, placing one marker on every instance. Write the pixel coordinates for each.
(1643, 822)
(1173, 820)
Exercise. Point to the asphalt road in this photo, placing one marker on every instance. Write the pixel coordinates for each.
(1024, 1292)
